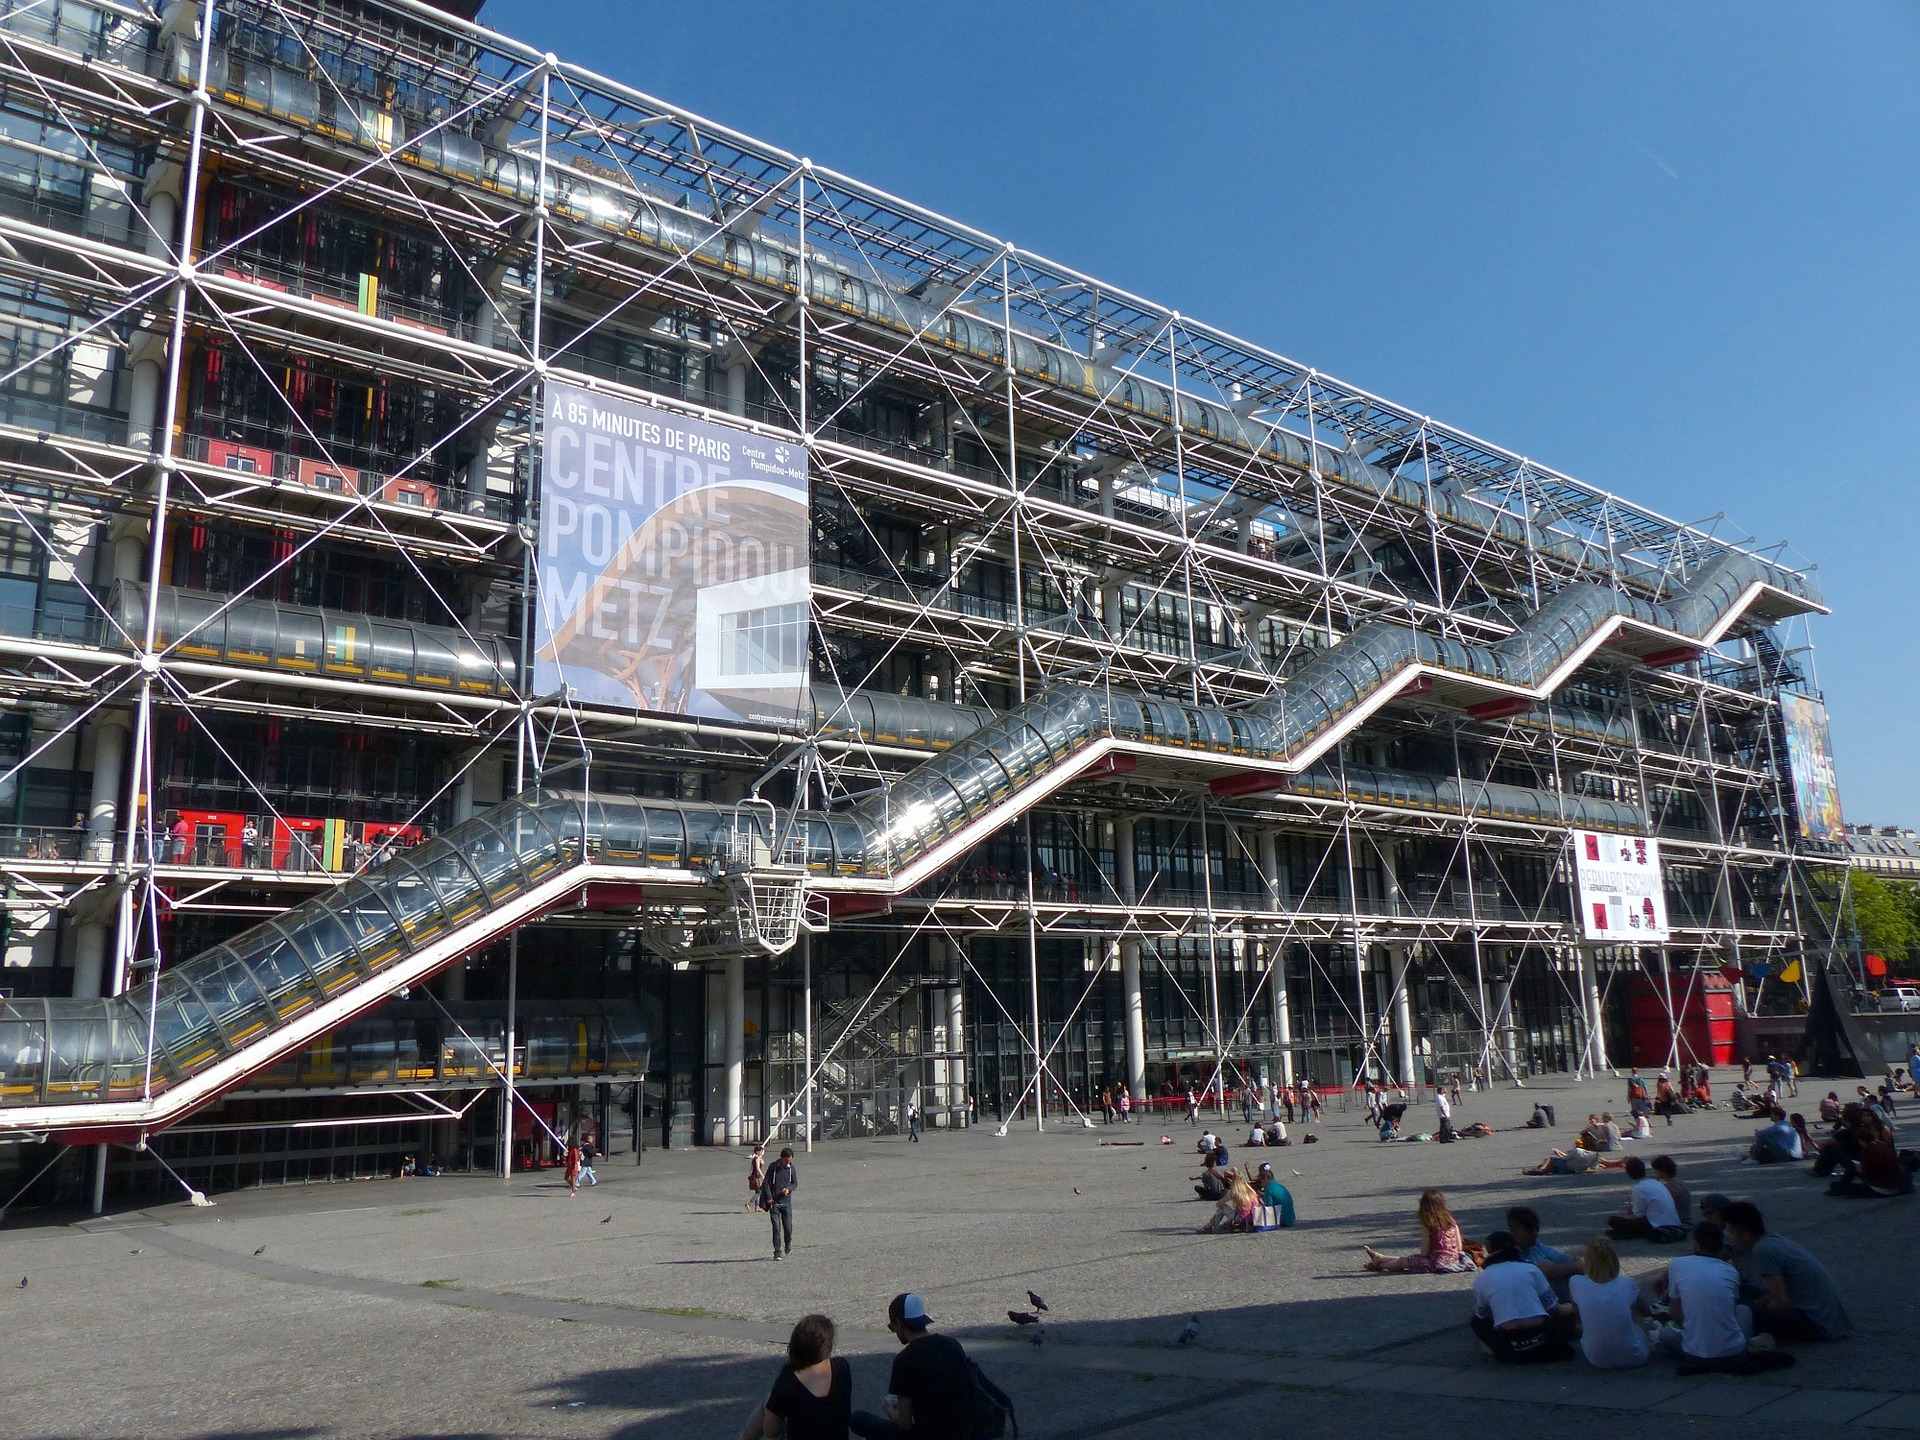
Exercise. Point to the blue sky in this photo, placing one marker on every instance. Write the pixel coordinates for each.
(1674, 250)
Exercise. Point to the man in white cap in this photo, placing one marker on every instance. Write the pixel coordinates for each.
(930, 1393)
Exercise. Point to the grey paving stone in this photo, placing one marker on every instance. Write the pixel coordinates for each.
(1821, 1407)
(1734, 1397)
(1633, 1390)
(1901, 1413)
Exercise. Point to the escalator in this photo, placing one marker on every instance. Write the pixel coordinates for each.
(177, 1040)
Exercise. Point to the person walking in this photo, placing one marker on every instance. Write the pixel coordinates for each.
(589, 1152)
(1126, 1106)
(776, 1198)
(1193, 1107)
(913, 1123)
(756, 1176)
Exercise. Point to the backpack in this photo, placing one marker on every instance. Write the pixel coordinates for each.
(992, 1410)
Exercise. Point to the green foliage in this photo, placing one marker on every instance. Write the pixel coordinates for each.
(1885, 914)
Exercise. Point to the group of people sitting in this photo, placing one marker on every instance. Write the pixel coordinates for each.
(1242, 1200)
(1694, 1092)
(1598, 1139)
(1735, 1294)
(1857, 1152)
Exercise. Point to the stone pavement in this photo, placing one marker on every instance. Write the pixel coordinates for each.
(649, 1308)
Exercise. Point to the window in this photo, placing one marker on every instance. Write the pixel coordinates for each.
(771, 641)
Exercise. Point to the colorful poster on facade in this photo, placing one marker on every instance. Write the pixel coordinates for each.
(1816, 795)
(674, 563)
(1623, 899)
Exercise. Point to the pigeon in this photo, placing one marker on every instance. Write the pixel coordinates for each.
(261, 1251)
(1076, 1189)
(1036, 1302)
(1021, 1317)
(607, 1221)
(23, 1282)
(136, 1252)
(1191, 1333)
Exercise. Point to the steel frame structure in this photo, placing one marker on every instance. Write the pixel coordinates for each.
(1022, 476)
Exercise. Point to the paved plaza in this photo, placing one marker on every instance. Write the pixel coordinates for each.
(650, 1308)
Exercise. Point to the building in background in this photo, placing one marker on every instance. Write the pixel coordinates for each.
(1148, 709)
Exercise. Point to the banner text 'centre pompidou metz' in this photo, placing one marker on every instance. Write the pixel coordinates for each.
(673, 572)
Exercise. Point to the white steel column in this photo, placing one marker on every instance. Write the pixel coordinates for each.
(1398, 956)
(736, 1048)
(956, 999)
(1596, 1056)
(1268, 851)
(109, 783)
(1136, 1019)
(1125, 883)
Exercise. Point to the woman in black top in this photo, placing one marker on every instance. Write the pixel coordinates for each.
(813, 1393)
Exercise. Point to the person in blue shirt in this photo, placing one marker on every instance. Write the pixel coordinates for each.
(1523, 1224)
(1776, 1141)
(1272, 1192)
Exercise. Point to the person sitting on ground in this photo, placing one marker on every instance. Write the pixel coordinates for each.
(1650, 1212)
(1214, 1179)
(1830, 1108)
(1277, 1133)
(1642, 1128)
(1268, 1189)
(1610, 1310)
(1792, 1295)
(1853, 1130)
(1874, 1168)
(1740, 1100)
(1707, 1325)
(1775, 1142)
(1577, 1161)
(1523, 1224)
(1700, 1093)
(1516, 1316)
(1592, 1135)
(1233, 1211)
(1808, 1145)
(1537, 1120)
(1441, 1252)
(1207, 1143)
(813, 1393)
(1668, 1174)
(1610, 1133)
(1257, 1137)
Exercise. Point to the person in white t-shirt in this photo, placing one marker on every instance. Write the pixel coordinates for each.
(1516, 1315)
(1650, 1212)
(1703, 1291)
(1444, 1110)
(1610, 1308)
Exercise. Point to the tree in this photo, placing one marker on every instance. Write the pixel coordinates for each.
(1885, 914)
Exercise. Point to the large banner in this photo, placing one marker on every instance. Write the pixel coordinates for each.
(674, 563)
(1816, 795)
(1623, 899)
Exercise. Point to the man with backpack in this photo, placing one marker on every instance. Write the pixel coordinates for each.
(935, 1392)
(776, 1198)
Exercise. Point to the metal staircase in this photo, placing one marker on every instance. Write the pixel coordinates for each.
(761, 874)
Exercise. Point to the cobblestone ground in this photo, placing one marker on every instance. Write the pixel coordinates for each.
(650, 1308)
